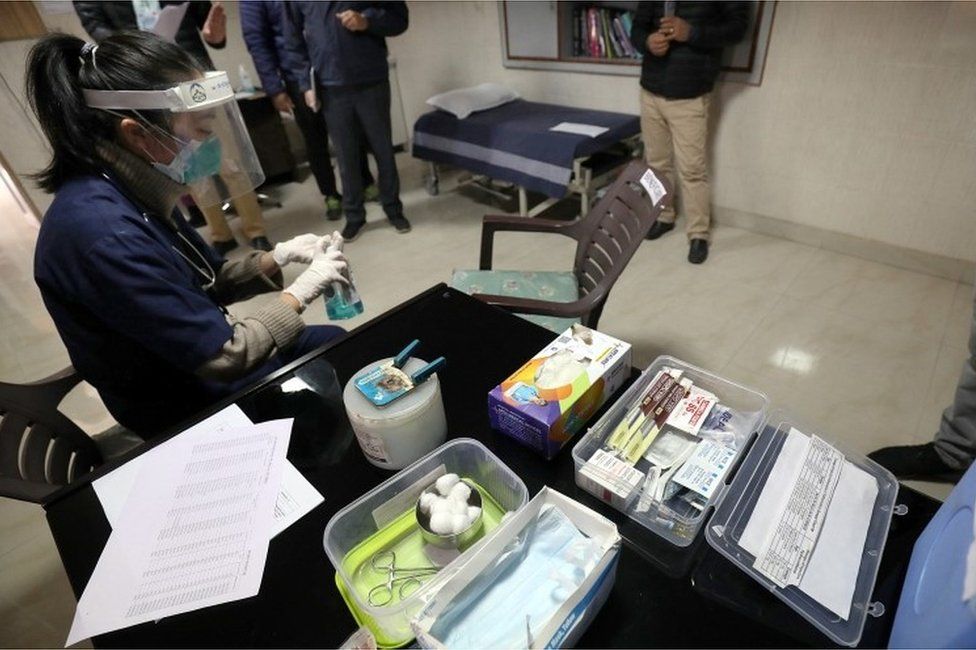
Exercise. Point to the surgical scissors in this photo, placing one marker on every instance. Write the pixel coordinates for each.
(399, 580)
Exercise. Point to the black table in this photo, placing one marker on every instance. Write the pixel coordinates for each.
(664, 595)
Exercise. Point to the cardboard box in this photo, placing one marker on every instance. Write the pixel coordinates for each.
(546, 401)
(569, 622)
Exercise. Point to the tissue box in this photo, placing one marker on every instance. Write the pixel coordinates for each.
(546, 401)
(564, 628)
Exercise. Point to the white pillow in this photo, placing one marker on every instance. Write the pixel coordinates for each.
(465, 101)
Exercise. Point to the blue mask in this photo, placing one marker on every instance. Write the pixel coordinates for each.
(195, 160)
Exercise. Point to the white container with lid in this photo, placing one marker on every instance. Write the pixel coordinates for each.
(396, 435)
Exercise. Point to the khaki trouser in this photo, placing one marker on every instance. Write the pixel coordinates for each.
(247, 208)
(681, 124)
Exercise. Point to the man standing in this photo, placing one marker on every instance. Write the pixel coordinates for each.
(682, 44)
(345, 44)
(263, 24)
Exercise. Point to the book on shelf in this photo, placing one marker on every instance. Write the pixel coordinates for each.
(602, 33)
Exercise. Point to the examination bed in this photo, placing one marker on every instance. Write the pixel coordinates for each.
(514, 143)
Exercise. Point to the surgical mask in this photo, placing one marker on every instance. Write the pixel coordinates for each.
(195, 160)
(510, 602)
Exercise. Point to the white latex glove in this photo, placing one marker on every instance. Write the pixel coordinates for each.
(300, 249)
(326, 267)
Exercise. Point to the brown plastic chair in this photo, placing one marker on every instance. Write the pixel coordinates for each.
(607, 237)
(40, 448)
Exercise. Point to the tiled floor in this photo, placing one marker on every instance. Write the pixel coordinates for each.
(868, 352)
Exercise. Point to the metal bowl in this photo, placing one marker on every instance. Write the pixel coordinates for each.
(458, 539)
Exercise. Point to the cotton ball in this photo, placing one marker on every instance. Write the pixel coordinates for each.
(459, 523)
(442, 523)
(473, 513)
(461, 491)
(439, 504)
(426, 499)
(445, 483)
(458, 507)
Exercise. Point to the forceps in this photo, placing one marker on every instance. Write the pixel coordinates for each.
(402, 581)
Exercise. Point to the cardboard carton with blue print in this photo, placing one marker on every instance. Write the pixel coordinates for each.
(549, 399)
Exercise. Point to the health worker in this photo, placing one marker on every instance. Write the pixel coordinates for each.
(136, 295)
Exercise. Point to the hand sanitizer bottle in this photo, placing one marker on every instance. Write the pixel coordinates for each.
(342, 301)
(247, 86)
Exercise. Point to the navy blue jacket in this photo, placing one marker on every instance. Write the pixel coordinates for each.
(341, 57)
(132, 313)
(263, 24)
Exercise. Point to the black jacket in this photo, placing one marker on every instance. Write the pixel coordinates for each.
(102, 19)
(688, 69)
(315, 37)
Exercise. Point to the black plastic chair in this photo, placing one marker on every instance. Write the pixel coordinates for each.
(40, 448)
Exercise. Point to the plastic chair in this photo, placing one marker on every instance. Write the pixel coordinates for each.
(607, 238)
(40, 448)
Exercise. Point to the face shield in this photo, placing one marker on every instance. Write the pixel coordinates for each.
(212, 151)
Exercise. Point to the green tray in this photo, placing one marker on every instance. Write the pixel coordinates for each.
(402, 536)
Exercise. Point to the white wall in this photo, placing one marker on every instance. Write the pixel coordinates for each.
(865, 123)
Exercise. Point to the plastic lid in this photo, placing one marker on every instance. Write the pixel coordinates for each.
(401, 409)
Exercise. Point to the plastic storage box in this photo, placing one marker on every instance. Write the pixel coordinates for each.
(932, 613)
(672, 519)
(725, 530)
(735, 498)
(383, 519)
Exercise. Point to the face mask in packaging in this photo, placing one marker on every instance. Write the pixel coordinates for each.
(727, 426)
(509, 602)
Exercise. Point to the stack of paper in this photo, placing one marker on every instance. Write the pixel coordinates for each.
(192, 520)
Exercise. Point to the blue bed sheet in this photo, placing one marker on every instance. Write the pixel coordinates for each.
(513, 142)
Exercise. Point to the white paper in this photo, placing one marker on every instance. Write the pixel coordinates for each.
(196, 536)
(706, 469)
(655, 188)
(296, 498)
(169, 21)
(580, 129)
(789, 543)
(831, 574)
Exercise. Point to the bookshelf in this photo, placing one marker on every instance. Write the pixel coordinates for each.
(547, 35)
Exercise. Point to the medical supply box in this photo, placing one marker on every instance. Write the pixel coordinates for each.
(549, 399)
(932, 612)
(737, 441)
(383, 521)
(567, 624)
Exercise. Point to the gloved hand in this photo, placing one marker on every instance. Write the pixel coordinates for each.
(300, 249)
(326, 267)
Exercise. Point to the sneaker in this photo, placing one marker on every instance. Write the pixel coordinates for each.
(224, 247)
(920, 462)
(261, 244)
(658, 228)
(333, 207)
(372, 192)
(698, 251)
(401, 224)
(351, 230)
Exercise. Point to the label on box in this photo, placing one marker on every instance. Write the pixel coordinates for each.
(623, 478)
(690, 413)
(706, 468)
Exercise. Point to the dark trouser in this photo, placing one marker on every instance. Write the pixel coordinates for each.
(316, 135)
(355, 113)
(311, 338)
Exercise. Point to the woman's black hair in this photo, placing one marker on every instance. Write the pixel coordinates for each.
(59, 67)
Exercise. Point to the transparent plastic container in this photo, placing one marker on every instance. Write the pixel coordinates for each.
(726, 527)
(383, 520)
(674, 519)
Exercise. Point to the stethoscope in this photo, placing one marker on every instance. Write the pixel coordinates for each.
(196, 260)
